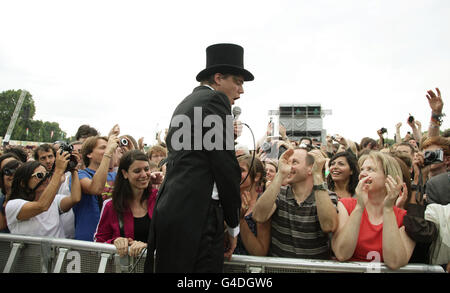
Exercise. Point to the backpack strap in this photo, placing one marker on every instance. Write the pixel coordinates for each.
(122, 231)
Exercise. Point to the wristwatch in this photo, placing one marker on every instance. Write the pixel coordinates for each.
(323, 186)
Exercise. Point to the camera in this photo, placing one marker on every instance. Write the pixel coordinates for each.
(266, 146)
(281, 150)
(123, 142)
(73, 161)
(383, 130)
(433, 157)
(410, 118)
(270, 149)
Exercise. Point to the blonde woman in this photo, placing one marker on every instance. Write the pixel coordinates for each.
(370, 225)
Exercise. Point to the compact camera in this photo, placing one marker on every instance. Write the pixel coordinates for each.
(73, 161)
(383, 130)
(410, 118)
(123, 142)
(433, 157)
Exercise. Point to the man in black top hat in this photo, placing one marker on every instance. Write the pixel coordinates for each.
(201, 187)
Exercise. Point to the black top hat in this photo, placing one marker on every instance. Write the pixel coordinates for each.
(225, 58)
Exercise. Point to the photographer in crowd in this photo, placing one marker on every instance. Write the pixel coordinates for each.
(428, 210)
(34, 205)
(95, 181)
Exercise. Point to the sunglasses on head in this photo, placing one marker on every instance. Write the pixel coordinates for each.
(40, 175)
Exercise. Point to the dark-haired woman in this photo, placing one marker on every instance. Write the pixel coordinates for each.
(344, 172)
(6, 177)
(34, 205)
(125, 218)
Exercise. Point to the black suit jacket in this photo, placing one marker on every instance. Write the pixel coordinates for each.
(185, 195)
(438, 189)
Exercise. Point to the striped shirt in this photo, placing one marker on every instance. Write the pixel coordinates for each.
(296, 231)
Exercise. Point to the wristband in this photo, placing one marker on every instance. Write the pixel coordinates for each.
(437, 118)
(322, 186)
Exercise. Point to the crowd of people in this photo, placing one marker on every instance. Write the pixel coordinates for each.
(338, 199)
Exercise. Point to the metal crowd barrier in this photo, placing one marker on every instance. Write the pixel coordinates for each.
(27, 254)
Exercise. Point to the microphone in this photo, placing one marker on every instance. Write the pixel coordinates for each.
(236, 112)
(237, 124)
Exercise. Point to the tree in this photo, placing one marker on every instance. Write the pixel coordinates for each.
(37, 130)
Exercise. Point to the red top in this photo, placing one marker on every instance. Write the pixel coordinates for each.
(108, 227)
(370, 237)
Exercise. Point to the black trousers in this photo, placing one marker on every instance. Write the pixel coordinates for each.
(209, 258)
(211, 249)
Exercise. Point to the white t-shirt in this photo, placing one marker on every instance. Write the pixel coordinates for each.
(68, 218)
(45, 224)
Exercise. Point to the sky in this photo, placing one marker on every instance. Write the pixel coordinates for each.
(131, 62)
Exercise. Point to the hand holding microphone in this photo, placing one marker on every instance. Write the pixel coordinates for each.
(237, 123)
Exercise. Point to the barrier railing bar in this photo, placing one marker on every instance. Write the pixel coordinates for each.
(248, 263)
(325, 265)
(12, 257)
(61, 242)
(59, 262)
(103, 262)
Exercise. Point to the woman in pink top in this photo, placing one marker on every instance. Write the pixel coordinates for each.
(370, 225)
(125, 218)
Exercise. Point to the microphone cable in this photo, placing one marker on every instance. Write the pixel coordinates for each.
(138, 260)
(254, 152)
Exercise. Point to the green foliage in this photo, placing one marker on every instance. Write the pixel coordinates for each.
(37, 129)
(389, 141)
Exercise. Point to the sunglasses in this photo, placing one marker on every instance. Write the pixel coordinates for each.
(40, 175)
(9, 172)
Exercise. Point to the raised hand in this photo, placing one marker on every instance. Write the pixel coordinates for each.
(156, 178)
(435, 101)
(284, 168)
(141, 143)
(113, 143)
(115, 130)
(418, 162)
(419, 125)
(61, 161)
(319, 162)
(400, 202)
(362, 190)
(341, 140)
(393, 188)
(245, 200)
